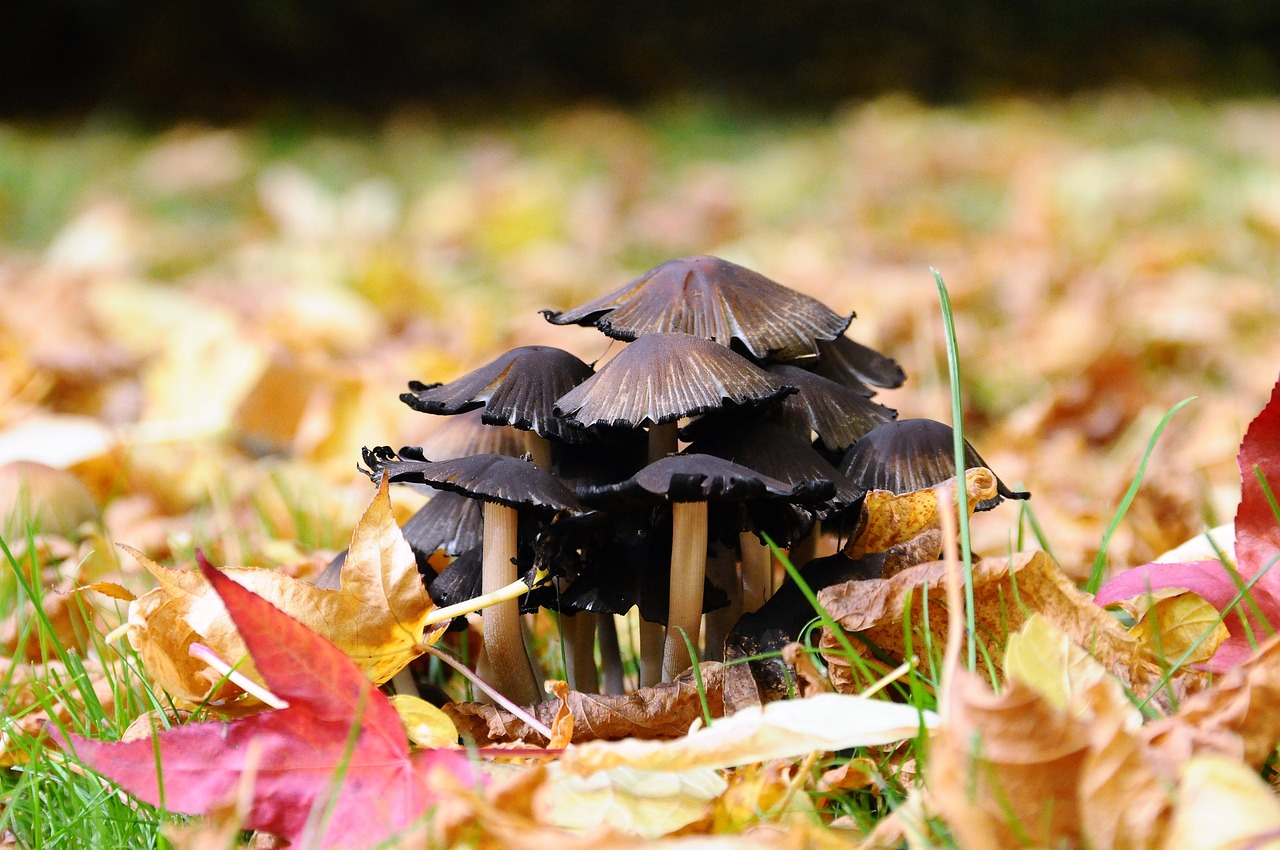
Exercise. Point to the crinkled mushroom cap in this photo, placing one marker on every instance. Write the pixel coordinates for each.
(907, 455)
(712, 299)
(702, 478)
(448, 522)
(466, 434)
(510, 481)
(855, 365)
(517, 388)
(663, 377)
(840, 416)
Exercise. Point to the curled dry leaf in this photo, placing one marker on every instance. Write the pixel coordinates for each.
(666, 710)
(778, 730)
(378, 617)
(1003, 769)
(1006, 593)
(908, 524)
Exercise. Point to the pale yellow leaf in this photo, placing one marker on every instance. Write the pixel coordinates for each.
(1223, 805)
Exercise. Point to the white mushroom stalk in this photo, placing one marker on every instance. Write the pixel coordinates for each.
(688, 570)
(504, 645)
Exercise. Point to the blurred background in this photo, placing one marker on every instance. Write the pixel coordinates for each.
(230, 233)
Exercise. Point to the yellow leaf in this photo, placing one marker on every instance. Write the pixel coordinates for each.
(378, 617)
(1176, 620)
(647, 803)
(426, 725)
(1223, 805)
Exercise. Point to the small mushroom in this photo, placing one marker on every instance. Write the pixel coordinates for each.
(713, 299)
(840, 416)
(688, 482)
(906, 455)
(504, 485)
(517, 388)
(661, 378)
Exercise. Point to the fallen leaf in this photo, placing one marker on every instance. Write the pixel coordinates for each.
(425, 724)
(778, 730)
(666, 710)
(646, 803)
(1178, 626)
(301, 757)
(1223, 805)
(378, 616)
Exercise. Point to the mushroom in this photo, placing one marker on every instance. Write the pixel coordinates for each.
(713, 299)
(773, 450)
(661, 378)
(517, 388)
(505, 485)
(855, 365)
(688, 482)
(840, 416)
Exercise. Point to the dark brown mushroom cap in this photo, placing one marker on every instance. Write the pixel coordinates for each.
(449, 522)
(840, 416)
(518, 388)
(465, 435)
(702, 478)
(511, 481)
(712, 299)
(771, 449)
(851, 363)
(663, 377)
(914, 454)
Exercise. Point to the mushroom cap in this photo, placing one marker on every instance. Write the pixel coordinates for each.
(466, 434)
(449, 522)
(713, 299)
(517, 388)
(511, 481)
(702, 478)
(771, 449)
(851, 363)
(662, 377)
(906, 455)
(839, 415)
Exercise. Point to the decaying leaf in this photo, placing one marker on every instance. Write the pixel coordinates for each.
(378, 617)
(1006, 593)
(665, 710)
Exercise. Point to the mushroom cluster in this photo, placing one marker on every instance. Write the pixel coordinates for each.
(771, 401)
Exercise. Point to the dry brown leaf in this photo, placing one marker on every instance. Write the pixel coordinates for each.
(1006, 593)
(1237, 717)
(377, 617)
(1003, 769)
(662, 711)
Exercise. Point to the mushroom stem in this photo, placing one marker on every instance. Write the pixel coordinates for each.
(688, 570)
(504, 644)
(663, 440)
(722, 570)
(805, 550)
(757, 571)
(539, 449)
(653, 637)
(610, 655)
(579, 631)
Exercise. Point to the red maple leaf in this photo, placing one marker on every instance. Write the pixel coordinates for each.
(1257, 547)
(336, 720)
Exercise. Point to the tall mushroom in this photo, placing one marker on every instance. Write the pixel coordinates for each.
(688, 482)
(505, 486)
(714, 299)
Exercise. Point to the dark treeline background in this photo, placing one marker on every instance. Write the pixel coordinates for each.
(229, 59)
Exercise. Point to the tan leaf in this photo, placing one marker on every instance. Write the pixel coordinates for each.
(646, 803)
(1237, 717)
(666, 710)
(378, 617)
(1006, 593)
(1004, 769)
(778, 730)
(897, 520)
(1223, 805)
